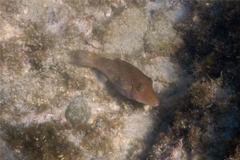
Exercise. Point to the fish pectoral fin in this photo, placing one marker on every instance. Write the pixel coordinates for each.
(125, 89)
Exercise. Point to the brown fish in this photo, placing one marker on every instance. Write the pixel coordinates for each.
(126, 78)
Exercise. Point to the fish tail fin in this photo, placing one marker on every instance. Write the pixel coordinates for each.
(84, 58)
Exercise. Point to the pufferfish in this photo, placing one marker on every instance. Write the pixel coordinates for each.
(126, 78)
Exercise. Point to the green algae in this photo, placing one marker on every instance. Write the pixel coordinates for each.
(39, 141)
(73, 83)
(37, 43)
(9, 7)
(99, 139)
(10, 59)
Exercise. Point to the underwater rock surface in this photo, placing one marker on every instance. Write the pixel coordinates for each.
(52, 109)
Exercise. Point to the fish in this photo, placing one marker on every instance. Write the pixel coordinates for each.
(126, 78)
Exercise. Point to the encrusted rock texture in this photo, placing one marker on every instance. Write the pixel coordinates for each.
(52, 109)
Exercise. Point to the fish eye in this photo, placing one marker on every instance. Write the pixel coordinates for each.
(139, 87)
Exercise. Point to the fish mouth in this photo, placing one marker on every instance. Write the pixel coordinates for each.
(150, 101)
(155, 103)
(148, 98)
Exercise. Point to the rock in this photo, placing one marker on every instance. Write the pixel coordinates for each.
(78, 112)
(124, 34)
(162, 38)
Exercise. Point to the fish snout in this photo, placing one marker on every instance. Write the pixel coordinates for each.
(154, 101)
(151, 97)
(148, 99)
